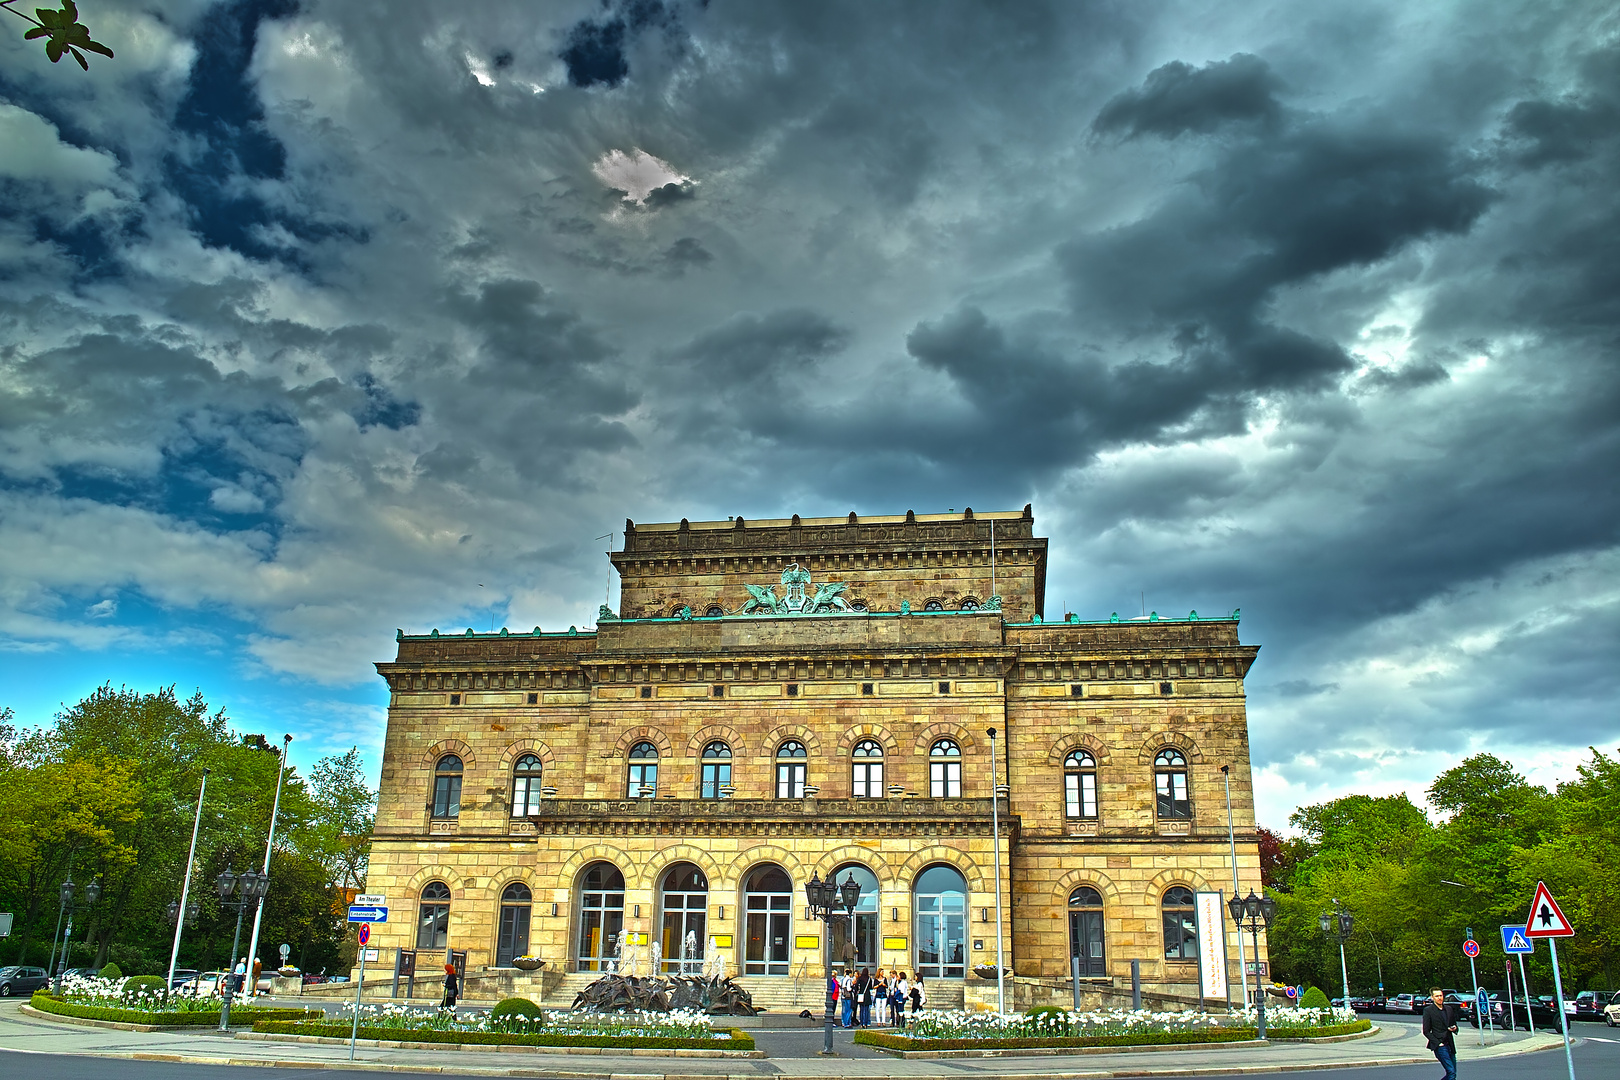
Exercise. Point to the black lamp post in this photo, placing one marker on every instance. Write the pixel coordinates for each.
(1337, 924)
(1254, 913)
(250, 889)
(92, 893)
(826, 899)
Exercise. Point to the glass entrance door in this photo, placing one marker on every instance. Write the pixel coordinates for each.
(866, 919)
(1086, 931)
(686, 920)
(768, 927)
(941, 907)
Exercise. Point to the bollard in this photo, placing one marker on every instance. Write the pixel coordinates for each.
(1136, 984)
(1074, 974)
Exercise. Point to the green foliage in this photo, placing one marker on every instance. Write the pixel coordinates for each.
(891, 1041)
(63, 32)
(740, 1040)
(111, 971)
(1314, 999)
(515, 1006)
(135, 984)
(199, 1018)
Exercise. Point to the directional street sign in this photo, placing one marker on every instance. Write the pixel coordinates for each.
(367, 899)
(367, 914)
(1470, 948)
(365, 933)
(1514, 941)
(1546, 920)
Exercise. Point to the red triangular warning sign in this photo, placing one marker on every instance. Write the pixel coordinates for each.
(1546, 920)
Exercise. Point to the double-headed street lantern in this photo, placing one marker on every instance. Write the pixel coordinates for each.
(250, 889)
(1254, 913)
(92, 893)
(825, 899)
(193, 910)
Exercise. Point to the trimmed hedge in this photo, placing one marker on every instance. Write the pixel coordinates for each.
(136, 983)
(111, 971)
(516, 1006)
(46, 1003)
(740, 1040)
(889, 1041)
(1314, 999)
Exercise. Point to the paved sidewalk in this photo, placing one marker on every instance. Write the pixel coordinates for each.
(1395, 1044)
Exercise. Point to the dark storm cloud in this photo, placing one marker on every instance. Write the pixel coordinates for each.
(1178, 98)
(595, 49)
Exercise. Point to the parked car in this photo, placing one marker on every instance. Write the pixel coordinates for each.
(22, 980)
(181, 977)
(1542, 1011)
(1362, 1004)
(82, 973)
(202, 984)
(1402, 1003)
(1589, 1004)
(1465, 1006)
(1611, 1011)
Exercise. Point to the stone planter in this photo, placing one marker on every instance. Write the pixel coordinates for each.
(988, 971)
(524, 963)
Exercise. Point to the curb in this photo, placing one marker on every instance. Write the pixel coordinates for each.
(1141, 1048)
(499, 1048)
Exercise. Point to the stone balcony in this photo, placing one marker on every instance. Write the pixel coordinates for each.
(959, 816)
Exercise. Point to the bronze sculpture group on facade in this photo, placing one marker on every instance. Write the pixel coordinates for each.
(828, 598)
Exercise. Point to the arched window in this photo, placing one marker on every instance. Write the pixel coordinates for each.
(1170, 779)
(858, 606)
(447, 787)
(969, 604)
(940, 901)
(790, 770)
(945, 770)
(714, 611)
(1086, 931)
(716, 770)
(433, 916)
(601, 916)
(684, 896)
(1180, 925)
(768, 910)
(513, 939)
(933, 605)
(866, 918)
(641, 778)
(1079, 785)
(866, 770)
(526, 786)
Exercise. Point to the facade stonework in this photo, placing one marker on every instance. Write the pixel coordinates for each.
(551, 736)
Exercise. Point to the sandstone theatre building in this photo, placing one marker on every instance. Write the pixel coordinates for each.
(780, 699)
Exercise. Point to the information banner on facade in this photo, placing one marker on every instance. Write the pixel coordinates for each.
(1211, 915)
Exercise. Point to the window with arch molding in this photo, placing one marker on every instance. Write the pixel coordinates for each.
(1080, 785)
(715, 770)
(969, 604)
(641, 776)
(933, 605)
(433, 916)
(1170, 782)
(1086, 932)
(1180, 925)
(714, 611)
(526, 786)
(447, 787)
(791, 765)
(945, 770)
(866, 769)
(512, 939)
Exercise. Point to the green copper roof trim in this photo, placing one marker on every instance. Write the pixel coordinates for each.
(572, 631)
(1114, 619)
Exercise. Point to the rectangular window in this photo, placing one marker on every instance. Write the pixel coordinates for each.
(716, 775)
(447, 796)
(1080, 794)
(868, 779)
(945, 779)
(1172, 795)
(790, 780)
(433, 931)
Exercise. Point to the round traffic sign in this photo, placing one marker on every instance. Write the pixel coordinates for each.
(1292, 992)
(1470, 948)
(365, 935)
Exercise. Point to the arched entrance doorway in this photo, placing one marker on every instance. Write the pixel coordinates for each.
(1086, 931)
(684, 897)
(940, 901)
(768, 920)
(601, 916)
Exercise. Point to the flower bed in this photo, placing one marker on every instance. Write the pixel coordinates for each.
(1059, 1029)
(652, 1031)
(160, 1017)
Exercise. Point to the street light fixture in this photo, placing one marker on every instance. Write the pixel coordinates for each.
(250, 889)
(1254, 913)
(92, 893)
(826, 898)
(1338, 923)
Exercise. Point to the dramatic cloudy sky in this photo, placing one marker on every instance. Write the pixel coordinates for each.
(321, 319)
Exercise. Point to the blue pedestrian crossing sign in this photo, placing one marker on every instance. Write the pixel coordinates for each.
(1514, 941)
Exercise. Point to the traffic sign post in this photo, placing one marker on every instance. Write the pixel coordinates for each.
(1548, 921)
(365, 933)
(367, 913)
(359, 983)
(1514, 943)
(1471, 950)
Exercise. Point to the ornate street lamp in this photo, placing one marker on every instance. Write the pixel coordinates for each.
(1254, 913)
(250, 889)
(1337, 923)
(92, 893)
(826, 898)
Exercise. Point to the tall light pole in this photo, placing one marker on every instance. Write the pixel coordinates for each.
(1254, 913)
(92, 893)
(996, 790)
(1231, 840)
(825, 899)
(258, 912)
(191, 858)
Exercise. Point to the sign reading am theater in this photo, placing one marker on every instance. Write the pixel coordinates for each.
(777, 699)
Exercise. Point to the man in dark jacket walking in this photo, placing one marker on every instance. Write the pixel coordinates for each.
(1439, 1024)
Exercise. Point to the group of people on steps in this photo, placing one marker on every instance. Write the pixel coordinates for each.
(864, 998)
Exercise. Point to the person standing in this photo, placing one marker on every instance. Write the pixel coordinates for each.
(880, 998)
(902, 990)
(1439, 1025)
(919, 996)
(863, 998)
(846, 994)
(452, 987)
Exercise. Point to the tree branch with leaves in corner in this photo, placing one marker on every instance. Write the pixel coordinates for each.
(64, 34)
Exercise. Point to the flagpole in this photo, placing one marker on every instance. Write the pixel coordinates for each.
(258, 912)
(185, 888)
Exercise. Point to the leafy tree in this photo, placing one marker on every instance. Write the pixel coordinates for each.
(64, 34)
